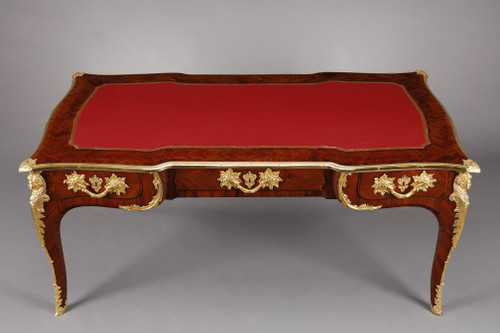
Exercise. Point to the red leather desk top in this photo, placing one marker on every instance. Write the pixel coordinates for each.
(346, 118)
(343, 115)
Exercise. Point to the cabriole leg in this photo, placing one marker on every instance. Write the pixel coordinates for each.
(451, 221)
(47, 218)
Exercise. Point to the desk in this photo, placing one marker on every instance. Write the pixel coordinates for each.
(131, 141)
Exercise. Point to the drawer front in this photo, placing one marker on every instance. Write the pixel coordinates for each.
(402, 184)
(250, 179)
(79, 183)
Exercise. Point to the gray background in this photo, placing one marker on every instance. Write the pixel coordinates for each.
(249, 265)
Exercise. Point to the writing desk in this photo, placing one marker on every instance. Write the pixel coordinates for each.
(131, 141)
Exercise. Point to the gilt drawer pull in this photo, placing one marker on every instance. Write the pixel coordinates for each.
(113, 184)
(231, 179)
(385, 184)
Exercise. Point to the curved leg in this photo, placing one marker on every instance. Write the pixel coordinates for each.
(451, 221)
(47, 217)
(450, 212)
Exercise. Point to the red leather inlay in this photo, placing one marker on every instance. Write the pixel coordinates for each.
(346, 115)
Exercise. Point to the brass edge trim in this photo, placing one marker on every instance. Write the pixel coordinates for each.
(459, 196)
(155, 201)
(471, 166)
(253, 83)
(345, 200)
(326, 147)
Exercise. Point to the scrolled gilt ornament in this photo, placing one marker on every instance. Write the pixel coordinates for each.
(268, 178)
(38, 198)
(461, 184)
(155, 201)
(343, 197)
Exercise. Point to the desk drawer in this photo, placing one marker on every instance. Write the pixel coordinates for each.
(428, 183)
(80, 183)
(289, 179)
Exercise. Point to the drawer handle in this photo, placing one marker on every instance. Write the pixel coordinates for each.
(385, 184)
(231, 179)
(112, 184)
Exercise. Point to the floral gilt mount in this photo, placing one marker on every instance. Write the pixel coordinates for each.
(113, 184)
(385, 184)
(231, 179)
